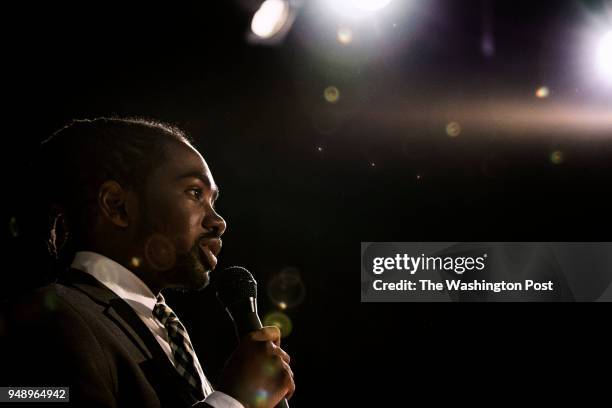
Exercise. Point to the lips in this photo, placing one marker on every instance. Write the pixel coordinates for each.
(211, 248)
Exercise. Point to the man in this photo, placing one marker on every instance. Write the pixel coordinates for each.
(130, 206)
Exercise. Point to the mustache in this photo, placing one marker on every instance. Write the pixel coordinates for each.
(206, 237)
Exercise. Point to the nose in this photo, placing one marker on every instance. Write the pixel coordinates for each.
(215, 223)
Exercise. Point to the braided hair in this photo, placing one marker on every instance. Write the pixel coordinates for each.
(81, 156)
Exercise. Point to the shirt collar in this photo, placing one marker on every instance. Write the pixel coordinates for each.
(123, 282)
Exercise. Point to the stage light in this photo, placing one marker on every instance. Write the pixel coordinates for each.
(370, 5)
(604, 56)
(270, 19)
(357, 8)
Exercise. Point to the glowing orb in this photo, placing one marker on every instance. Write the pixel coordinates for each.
(356, 8)
(370, 5)
(331, 94)
(453, 129)
(542, 92)
(287, 289)
(604, 56)
(279, 320)
(556, 157)
(345, 35)
(270, 18)
(135, 262)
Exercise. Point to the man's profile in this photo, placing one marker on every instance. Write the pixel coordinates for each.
(130, 211)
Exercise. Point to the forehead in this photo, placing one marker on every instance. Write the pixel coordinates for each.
(182, 159)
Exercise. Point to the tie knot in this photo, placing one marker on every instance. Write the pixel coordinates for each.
(162, 311)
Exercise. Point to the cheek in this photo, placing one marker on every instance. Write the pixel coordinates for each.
(179, 222)
(185, 229)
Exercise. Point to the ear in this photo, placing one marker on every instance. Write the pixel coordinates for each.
(113, 203)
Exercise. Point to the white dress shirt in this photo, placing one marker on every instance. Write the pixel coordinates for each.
(129, 287)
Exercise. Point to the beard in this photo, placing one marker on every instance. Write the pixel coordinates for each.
(181, 271)
(189, 272)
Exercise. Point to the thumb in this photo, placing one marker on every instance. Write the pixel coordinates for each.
(267, 333)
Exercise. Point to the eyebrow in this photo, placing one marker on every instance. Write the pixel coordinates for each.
(204, 178)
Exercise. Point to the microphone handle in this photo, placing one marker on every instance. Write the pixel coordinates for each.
(248, 322)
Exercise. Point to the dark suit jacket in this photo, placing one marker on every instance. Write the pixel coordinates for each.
(78, 333)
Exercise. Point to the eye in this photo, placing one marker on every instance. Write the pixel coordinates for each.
(196, 193)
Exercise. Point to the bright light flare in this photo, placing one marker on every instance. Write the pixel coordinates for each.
(604, 56)
(542, 92)
(270, 19)
(370, 5)
(345, 35)
(357, 8)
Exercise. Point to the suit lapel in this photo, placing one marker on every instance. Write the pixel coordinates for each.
(167, 382)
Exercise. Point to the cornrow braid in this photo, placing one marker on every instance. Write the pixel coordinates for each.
(81, 156)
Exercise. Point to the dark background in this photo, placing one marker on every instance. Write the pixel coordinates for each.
(259, 118)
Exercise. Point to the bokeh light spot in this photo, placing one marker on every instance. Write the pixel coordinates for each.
(261, 398)
(286, 288)
(453, 129)
(542, 92)
(160, 252)
(556, 157)
(280, 320)
(345, 35)
(331, 94)
(135, 262)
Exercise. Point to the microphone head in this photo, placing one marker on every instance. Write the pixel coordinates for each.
(235, 284)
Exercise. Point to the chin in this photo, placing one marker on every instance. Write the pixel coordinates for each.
(191, 274)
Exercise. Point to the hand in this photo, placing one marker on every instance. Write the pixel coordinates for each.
(258, 373)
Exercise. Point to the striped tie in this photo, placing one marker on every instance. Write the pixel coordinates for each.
(185, 359)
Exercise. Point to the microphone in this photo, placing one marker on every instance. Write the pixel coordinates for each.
(237, 291)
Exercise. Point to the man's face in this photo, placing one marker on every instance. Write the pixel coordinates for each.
(180, 228)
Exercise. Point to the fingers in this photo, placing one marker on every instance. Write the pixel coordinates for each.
(288, 382)
(273, 349)
(278, 370)
(268, 333)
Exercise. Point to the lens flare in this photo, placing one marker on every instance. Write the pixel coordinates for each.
(261, 398)
(331, 94)
(345, 35)
(286, 289)
(604, 56)
(280, 320)
(270, 18)
(453, 129)
(135, 262)
(542, 92)
(355, 8)
(371, 5)
(556, 157)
